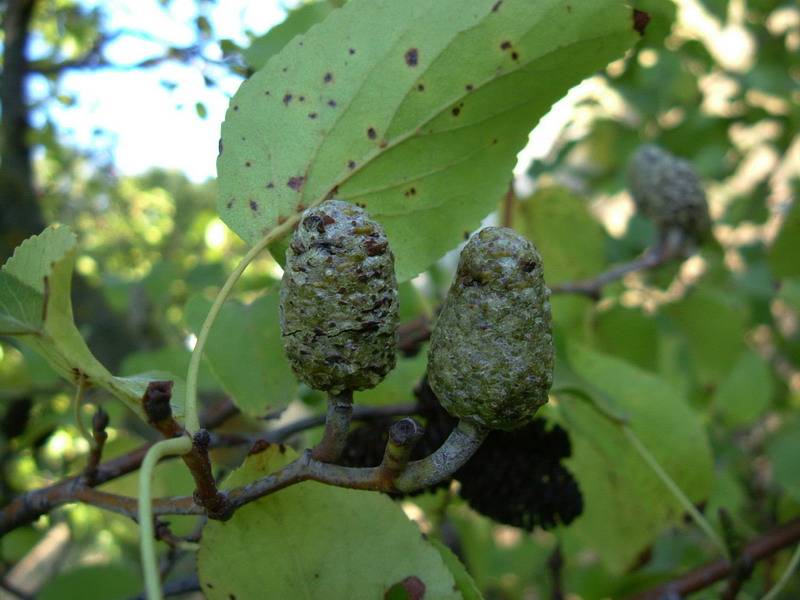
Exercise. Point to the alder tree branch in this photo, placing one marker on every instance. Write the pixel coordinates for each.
(669, 247)
(31, 505)
(757, 549)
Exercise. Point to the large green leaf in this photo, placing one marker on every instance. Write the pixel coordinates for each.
(314, 541)
(246, 354)
(36, 306)
(414, 109)
(626, 505)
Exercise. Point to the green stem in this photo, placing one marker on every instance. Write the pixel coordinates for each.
(147, 542)
(785, 576)
(191, 419)
(673, 487)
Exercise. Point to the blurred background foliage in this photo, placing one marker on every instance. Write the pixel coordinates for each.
(713, 81)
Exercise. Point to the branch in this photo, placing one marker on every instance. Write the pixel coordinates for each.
(462, 443)
(92, 59)
(719, 569)
(670, 247)
(31, 505)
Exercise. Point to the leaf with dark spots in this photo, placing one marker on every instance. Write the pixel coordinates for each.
(248, 164)
(253, 205)
(286, 99)
(312, 115)
(296, 183)
(417, 141)
(505, 45)
(640, 21)
(411, 588)
(351, 165)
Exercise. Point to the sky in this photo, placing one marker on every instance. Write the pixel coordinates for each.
(147, 124)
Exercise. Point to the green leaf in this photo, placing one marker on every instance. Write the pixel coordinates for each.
(712, 326)
(627, 333)
(626, 505)
(414, 109)
(466, 585)
(299, 20)
(36, 306)
(313, 541)
(786, 247)
(245, 352)
(746, 392)
(783, 451)
(96, 582)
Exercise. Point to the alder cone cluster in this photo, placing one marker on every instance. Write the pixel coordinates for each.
(491, 353)
(339, 309)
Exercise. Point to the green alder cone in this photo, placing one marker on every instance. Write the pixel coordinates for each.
(668, 190)
(339, 308)
(491, 354)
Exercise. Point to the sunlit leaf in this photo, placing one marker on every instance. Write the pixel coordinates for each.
(419, 117)
(36, 306)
